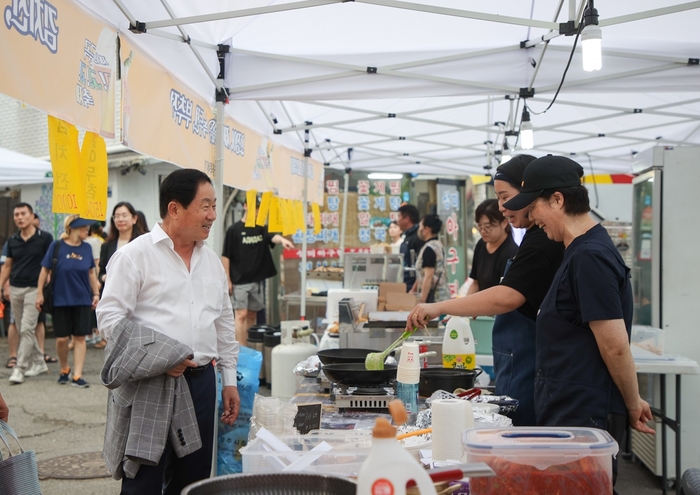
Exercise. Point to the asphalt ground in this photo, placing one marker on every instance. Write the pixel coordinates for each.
(59, 420)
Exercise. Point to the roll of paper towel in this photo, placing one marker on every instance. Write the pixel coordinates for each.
(450, 418)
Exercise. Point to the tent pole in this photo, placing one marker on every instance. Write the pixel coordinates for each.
(219, 175)
(343, 221)
(304, 203)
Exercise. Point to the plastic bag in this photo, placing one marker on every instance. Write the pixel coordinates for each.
(232, 438)
(274, 415)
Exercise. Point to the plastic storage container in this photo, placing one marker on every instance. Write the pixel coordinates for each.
(541, 461)
(649, 339)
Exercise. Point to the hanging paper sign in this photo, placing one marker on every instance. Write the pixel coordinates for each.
(68, 185)
(250, 197)
(94, 165)
(317, 217)
(264, 209)
(275, 224)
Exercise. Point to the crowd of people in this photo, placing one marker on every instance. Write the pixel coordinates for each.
(560, 340)
(75, 267)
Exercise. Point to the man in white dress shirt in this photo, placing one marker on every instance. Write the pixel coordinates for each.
(168, 280)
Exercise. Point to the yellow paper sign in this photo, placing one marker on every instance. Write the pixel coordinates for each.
(275, 224)
(250, 197)
(287, 217)
(264, 209)
(317, 217)
(93, 156)
(68, 176)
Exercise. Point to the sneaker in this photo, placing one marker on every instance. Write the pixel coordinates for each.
(80, 383)
(17, 376)
(64, 378)
(37, 369)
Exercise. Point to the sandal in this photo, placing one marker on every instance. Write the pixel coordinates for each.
(101, 344)
(49, 359)
(11, 362)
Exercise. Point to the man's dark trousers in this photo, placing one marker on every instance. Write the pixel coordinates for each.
(171, 475)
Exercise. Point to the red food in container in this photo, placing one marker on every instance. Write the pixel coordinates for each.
(542, 461)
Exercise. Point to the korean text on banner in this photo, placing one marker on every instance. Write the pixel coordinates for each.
(60, 59)
(162, 117)
(94, 165)
(68, 186)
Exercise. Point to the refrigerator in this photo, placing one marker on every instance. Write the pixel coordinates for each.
(666, 282)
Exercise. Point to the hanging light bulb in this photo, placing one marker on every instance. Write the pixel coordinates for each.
(527, 137)
(591, 40)
(505, 154)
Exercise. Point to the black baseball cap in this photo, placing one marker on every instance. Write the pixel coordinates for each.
(512, 171)
(547, 172)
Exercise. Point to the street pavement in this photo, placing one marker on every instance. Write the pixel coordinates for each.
(58, 420)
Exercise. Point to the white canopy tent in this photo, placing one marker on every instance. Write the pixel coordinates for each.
(421, 87)
(19, 169)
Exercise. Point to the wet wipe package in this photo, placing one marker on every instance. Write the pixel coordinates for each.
(232, 438)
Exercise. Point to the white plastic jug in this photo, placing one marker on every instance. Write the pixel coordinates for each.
(389, 466)
(456, 352)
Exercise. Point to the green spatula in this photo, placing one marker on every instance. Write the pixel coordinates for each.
(375, 360)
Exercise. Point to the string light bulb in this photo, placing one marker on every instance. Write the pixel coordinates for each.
(505, 154)
(591, 40)
(527, 137)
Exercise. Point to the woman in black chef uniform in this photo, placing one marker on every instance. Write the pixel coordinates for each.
(585, 372)
(515, 300)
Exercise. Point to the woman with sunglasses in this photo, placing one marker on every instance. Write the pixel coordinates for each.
(493, 250)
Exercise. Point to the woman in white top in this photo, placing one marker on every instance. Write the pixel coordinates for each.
(396, 237)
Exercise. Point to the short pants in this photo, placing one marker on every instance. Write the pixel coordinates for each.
(72, 320)
(248, 296)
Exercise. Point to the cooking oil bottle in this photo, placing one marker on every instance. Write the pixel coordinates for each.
(456, 353)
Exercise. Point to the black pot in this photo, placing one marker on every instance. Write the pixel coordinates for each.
(448, 379)
(340, 356)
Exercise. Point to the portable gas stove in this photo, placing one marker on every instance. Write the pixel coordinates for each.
(362, 398)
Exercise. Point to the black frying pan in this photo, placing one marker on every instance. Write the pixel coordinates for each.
(355, 374)
(342, 356)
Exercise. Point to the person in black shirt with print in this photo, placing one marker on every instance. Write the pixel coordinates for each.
(248, 262)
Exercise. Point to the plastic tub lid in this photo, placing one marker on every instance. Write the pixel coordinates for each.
(543, 440)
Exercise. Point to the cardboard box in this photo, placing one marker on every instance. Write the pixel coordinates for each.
(387, 287)
(396, 301)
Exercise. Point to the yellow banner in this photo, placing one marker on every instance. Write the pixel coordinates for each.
(68, 186)
(162, 117)
(93, 156)
(60, 59)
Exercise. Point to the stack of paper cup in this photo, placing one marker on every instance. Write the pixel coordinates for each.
(408, 371)
(407, 378)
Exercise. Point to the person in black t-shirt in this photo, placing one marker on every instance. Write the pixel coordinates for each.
(515, 300)
(585, 371)
(25, 250)
(493, 250)
(248, 262)
(408, 223)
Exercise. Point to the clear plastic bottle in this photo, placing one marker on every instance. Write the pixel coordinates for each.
(389, 466)
(456, 353)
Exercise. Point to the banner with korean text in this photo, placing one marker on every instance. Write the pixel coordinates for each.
(162, 117)
(252, 161)
(61, 60)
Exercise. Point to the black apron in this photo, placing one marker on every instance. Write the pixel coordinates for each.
(572, 384)
(513, 343)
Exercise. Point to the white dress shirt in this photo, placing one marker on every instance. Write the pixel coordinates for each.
(149, 283)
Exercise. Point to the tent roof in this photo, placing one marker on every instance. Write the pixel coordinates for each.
(407, 82)
(19, 169)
